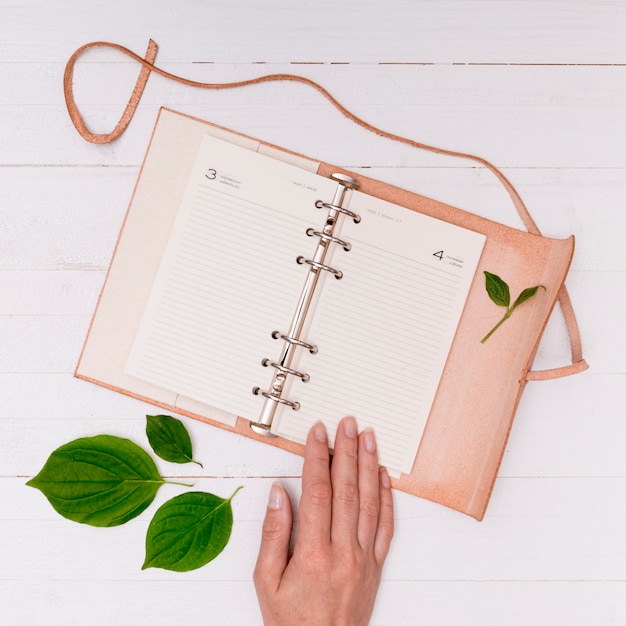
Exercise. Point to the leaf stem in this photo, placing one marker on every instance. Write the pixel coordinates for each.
(235, 492)
(493, 330)
(172, 482)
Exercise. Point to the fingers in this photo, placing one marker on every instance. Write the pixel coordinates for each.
(384, 532)
(316, 499)
(345, 483)
(350, 503)
(369, 490)
(274, 550)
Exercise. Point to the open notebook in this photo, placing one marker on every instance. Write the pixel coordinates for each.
(230, 277)
(217, 251)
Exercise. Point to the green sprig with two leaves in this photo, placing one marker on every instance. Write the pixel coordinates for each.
(107, 481)
(500, 293)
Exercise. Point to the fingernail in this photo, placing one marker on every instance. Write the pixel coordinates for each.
(349, 427)
(320, 432)
(277, 497)
(384, 478)
(370, 441)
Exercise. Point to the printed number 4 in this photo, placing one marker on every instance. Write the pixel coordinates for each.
(439, 254)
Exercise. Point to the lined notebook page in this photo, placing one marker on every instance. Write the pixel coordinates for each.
(385, 329)
(228, 277)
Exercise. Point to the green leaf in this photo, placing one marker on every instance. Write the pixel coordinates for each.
(188, 531)
(527, 294)
(101, 480)
(497, 289)
(169, 439)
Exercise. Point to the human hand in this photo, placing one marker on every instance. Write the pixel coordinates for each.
(345, 529)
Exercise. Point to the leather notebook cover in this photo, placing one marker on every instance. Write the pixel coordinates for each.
(468, 426)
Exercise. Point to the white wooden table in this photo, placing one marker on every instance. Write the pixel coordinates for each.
(538, 88)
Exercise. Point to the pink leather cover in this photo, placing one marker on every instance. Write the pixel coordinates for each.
(467, 430)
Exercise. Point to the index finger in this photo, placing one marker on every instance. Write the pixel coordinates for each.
(316, 499)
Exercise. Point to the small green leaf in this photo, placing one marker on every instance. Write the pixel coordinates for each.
(188, 531)
(101, 481)
(169, 439)
(497, 289)
(527, 294)
(499, 292)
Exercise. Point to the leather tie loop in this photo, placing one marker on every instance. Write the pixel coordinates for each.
(131, 107)
(578, 363)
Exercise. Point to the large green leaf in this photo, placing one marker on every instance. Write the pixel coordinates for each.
(188, 531)
(169, 438)
(101, 481)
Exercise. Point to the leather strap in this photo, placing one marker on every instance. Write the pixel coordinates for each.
(578, 363)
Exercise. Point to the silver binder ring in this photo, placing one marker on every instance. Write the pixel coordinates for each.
(297, 342)
(320, 266)
(347, 246)
(333, 207)
(286, 370)
(294, 405)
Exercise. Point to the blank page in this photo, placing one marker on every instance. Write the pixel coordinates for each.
(228, 277)
(385, 329)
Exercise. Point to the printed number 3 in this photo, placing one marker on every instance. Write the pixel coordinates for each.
(211, 174)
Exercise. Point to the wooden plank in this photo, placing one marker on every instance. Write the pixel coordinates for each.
(450, 31)
(569, 427)
(52, 343)
(570, 544)
(41, 344)
(515, 136)
(58, 602)
(528, 498)
(62, 218)
(513, 115)
(536, 87)
(220, 452)
(83, 208)
(107, 78)
(50, 292)
(601, 327)
(60, 403)
(565, 428)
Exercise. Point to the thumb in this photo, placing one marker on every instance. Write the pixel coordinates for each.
(274, 550)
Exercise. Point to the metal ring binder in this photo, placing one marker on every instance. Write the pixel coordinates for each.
(330, 206)
(298, 342)
(291, 340)
(286, 370)
(320, 266)
(316, 233)
(257, 391)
